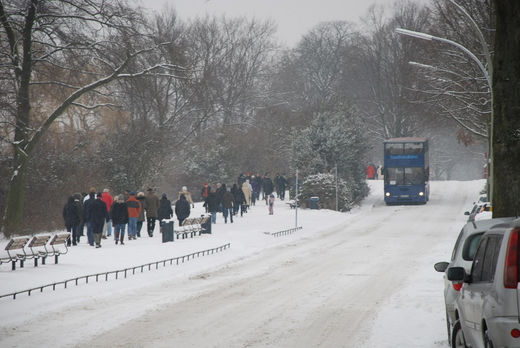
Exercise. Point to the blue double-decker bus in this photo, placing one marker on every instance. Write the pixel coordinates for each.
(406, 171)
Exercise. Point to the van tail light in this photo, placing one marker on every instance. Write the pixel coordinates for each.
(457, 286)
(511, 265)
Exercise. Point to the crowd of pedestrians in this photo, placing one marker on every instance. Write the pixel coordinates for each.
(101, 214)
(242, 195)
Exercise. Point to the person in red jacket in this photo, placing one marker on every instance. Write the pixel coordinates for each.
(134, 208)
(109, 200)
(371, 172)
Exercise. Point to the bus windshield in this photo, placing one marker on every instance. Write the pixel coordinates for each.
(405, 176)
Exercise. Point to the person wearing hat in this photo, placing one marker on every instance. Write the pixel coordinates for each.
(187, 195)
(134, 208)
(182, 209)
(119, 215)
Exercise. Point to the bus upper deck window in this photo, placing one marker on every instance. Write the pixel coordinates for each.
(394, 148)
(413, 148)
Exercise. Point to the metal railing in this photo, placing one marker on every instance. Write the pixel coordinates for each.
(117, 273)
(286, 232)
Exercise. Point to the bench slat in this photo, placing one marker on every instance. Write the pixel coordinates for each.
(17, 243)
(39, 241)
(59, 238)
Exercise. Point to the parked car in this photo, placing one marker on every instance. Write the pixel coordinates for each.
(485, 212)
(487, 307)
(478, 207)
(462, 256)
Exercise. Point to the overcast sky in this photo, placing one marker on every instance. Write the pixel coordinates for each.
(294, 18)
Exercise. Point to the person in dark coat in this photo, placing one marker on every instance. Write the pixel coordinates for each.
(97, 215)
(239, 198)
(88, 200)
(140, 219)
(268, 187)
(283, 186)
(119, 216)
(241, 178)
(165, 211)
(182, 209)
(228, 202)
(72, 217)
(221, 189)
(212, 205)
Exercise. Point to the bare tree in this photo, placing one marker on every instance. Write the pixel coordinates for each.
(453, 82)
(76, 46)
(384, 78)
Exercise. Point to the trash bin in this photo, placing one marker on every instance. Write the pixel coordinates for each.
(206, 223)
(315, 202)
(167, 231)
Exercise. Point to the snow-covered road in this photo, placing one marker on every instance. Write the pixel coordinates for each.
(364, 281)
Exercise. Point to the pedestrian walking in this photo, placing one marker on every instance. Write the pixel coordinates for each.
(268, 187)
(119, 216)
(109, 200)
(187, 195)
(271, 204)
(228, 202)
(151, 206)
(88, 200)
(212, 205)
(72, 217)
(134, 207)
(140, 219)
(98, 215)
(165, 211)
(182, 209)
(246, 189)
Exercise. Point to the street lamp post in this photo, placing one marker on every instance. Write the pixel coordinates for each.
(487, 74)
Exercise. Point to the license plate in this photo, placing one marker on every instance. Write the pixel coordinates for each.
(405, 196)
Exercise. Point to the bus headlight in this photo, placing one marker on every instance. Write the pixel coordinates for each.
(387, 194)
(421, 194)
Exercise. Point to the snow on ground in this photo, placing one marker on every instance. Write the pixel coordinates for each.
(412, 317)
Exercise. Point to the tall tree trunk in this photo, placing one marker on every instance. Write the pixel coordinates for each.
(15, 199)
(506, 110)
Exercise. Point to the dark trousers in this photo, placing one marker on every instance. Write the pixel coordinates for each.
(150, 225)
(139, 227)
(74, 238)
(226, 212)
(90, 233)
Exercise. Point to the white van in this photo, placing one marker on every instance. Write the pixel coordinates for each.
(487, 308)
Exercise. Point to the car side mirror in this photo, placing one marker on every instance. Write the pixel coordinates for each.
(441, 266)
(456, 274)
(466, 213)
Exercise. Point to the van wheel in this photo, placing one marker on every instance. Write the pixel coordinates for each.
(487, 341)
(457, 336)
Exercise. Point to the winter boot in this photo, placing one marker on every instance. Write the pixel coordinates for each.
(122, 238)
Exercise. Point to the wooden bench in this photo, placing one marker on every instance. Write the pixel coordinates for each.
(292, 204)
(190, 227)
(38, 247)
(16, 251)
(58, 240)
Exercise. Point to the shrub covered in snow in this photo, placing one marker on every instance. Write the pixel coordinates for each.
(323, 186)
(332, 139)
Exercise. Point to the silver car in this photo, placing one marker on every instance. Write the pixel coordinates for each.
(462, 256)
(487, 308)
